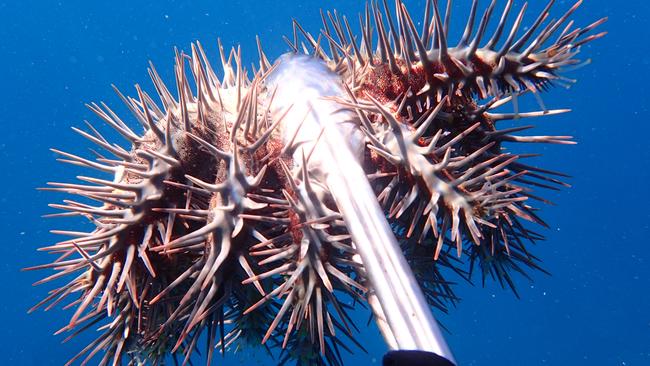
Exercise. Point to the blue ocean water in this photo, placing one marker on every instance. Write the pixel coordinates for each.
(595, 308)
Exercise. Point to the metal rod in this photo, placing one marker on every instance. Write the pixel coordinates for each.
(330, 135)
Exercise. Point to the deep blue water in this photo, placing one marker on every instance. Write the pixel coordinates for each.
(593, 310)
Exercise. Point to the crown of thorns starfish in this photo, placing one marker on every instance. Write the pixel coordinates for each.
(207, 223)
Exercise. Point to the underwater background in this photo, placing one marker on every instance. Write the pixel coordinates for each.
(594, 309)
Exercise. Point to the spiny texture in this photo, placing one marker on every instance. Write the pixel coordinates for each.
(438, 160)
(207, 227)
